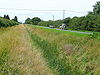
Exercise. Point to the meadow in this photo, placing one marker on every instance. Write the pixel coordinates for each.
(18, 56)
(30, 50)
(68, 53)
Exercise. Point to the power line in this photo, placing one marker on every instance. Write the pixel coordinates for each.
(39, 10)
(62, 11)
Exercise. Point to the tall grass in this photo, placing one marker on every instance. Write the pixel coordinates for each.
(7, 41)
(18, 56)
(50, 52)
(68, 54)
(30, 50)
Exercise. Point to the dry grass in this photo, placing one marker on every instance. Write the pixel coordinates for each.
(82, 54)
(24, 58)
(19, 54)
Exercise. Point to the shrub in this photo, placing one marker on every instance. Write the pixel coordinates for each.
(6, 22)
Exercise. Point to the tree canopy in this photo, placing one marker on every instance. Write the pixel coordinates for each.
(6, 17)
(35, 20)
(96, 8)
(6, 22)
(27, 21)
(15, 19)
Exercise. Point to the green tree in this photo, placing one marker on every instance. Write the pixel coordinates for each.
(96, 8)
(15, 19)
(90, 13)
(5, 22)
(67, 20)
(7, 17)
(28, 21)
(35, 20)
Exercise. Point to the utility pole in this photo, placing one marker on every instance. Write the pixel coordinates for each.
(63, 14)
(53, 17)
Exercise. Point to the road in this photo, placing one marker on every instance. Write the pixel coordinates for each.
(66, 30)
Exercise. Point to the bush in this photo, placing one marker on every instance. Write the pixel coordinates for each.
(6, 22)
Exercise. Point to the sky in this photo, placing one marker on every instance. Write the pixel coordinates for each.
(72, 7)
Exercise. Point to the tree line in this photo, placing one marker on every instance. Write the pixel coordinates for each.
(5, 21)
(34, 20)
(7, 17)
(90, 22)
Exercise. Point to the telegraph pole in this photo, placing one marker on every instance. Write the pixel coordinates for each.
(63, 14)
(53, 17)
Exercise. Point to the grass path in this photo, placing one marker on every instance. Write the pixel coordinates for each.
(24, 58)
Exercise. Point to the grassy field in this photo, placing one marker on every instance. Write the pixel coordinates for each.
(28, 50)
(69, 32)
(18, 55)
(68, 53)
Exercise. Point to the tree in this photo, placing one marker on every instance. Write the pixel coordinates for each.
(7, 17)
(90, 13)
(35, 20)
(15, 19)
(28, 21)
(6, 23)
(66, 20)
(96, 9)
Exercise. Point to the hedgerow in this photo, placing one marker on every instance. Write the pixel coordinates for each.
(6, 22)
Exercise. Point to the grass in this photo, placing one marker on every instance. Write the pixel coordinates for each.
(29, 50)
(94, 35)
(50, 52)
(64, 32)
(6, 45)
(67, 53)
(18, 55)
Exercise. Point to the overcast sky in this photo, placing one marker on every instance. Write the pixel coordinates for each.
(71, 5)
